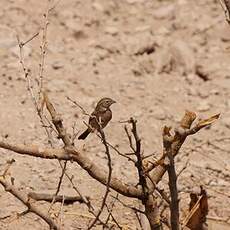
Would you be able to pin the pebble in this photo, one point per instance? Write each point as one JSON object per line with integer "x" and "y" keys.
{"x": 57, "y": 65}
{"x": 111, "y": 30}
{"x": 98, "y": 6}
{"x": 203, "y": 106}
{"x": 183, "y": 57}
{"x": 225, "y": 33}
{"x": 226, "y": 122}
{"x": 164, "y": 12}
{"x": 159, "y": 114}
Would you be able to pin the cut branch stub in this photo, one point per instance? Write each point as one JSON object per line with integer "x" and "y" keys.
{"x": 178, "y": 139}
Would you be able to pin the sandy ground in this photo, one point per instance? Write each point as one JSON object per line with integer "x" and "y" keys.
{"x": 94, "y": 51}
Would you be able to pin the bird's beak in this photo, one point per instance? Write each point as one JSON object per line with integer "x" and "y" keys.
{"x": 113, "y": 102}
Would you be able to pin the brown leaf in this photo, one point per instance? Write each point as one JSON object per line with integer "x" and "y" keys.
{"x": 166, "y": 131}
{"x": 209, "y": 121}
{"x": 198, "y": 208}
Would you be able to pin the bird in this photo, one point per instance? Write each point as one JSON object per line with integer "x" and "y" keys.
{"x": 100, "y": 117}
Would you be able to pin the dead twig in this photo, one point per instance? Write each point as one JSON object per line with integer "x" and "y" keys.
{"x": 174, "y": 203}
{"x": 226, "y": 8}
{"x": 59, "y": 184}
{"x": 84, "y": 199}
{"x": 139, "y": 163}
{"x": 109, "y": 176}
{"x": 30, "y": 89}
{"x": 59, "y": 198}
{"x": 111, "y": 214}
{"x": 128, "y": 206}
{"x": 79, "y": 106}
{"x": 71, "y": 154}
{"x": 26, "y": 201}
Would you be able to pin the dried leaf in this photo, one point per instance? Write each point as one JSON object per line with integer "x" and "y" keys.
{"x": 166, "y": 131}
{"x": 198, "y": 208}
{"x": 209, "y": 121}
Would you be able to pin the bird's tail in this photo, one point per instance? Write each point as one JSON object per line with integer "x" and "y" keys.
{"x": 84, "y": 135}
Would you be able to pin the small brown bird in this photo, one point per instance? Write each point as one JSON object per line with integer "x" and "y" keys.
{"x": 99, "y": 117}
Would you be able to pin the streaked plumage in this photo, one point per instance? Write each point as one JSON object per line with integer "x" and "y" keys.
{"x": 101, "y": 115}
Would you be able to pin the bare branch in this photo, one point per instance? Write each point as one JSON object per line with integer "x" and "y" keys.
{"x": 226, "y": 8}
{"x": 178, "y": 139}
{"x": 26, "y": 201}
{"x": 79, "y": 106}
{"x": 59, "y": 198}
{"x": 109, "y": 177}
{"x": 59, "y": 183}
{"x": 139, "y": 163}
{"x": 174, "y": 204}
{"x": 72, "y": 154}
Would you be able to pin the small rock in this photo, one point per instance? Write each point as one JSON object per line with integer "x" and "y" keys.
{"x": 225, "y": 33}
{"x": 79, "y": 34}
{"x": 228, "y": 103}
{"x": 201, "y": 72}
{"x": 222, "y": 183}
{"x": 203, "y": 106}
{"x": 203, "y": 93}
{"x": 213, "y": 183}
{"x": 164, "y": 12}
{"x": 5, "y": 213}
{"x": 98, "y": 6}
{"x": 57, "y": 65}
{"x": 215, "y": 92}
{"x": 134, "y": 1}
{"x": 111, "y": 30}
{"x": 142, "y": 28}
{"x": 182, "y": 57}
{"x": 226, "y": 122}
{"x": 159, "y": 114}
{"x": 192, "y": 91}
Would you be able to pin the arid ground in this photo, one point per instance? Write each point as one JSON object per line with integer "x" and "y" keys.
{"x": 97, "y": 48}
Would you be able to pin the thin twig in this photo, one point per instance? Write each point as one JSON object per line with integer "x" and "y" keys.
{"x": 58, "y": 198}
{"x": 59, "y": 184}
{"x": 30, "y": 88}
{"x": 79, "y": 106}
{"x": 111, "y": 214}
{"x": 226, "y": 8}
{"x": 139, "y": 163}
{"x": 109, "y": 176}
{"x": 128, "y": 206}
{"x": 43, "y": 48}
{"x": 84, "y": 199}
{"x": 174, "y": 204}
